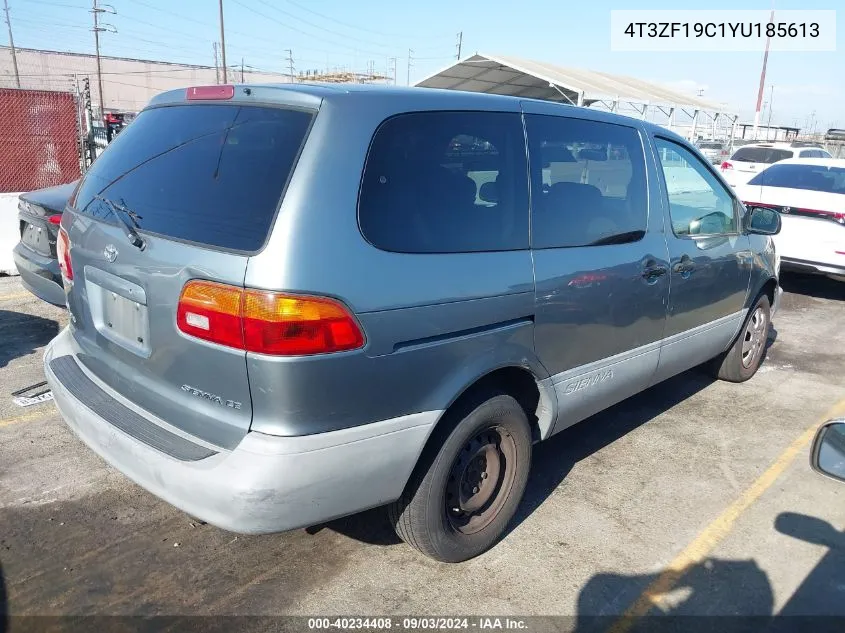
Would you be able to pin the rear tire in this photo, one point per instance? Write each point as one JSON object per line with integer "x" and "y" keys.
{"x": 743, "y": 359}
{"x": 469, "y": 481}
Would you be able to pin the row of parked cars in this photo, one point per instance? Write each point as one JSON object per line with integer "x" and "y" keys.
{"x": 293, "y": 303}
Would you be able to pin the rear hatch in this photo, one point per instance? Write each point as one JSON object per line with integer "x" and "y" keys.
{"x": 749, "y": 161}
{"x": 40, "y": 213}
{"x": 200, "y": 184}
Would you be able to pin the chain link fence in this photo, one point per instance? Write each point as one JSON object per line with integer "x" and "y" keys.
{"x": 40, "y": 139}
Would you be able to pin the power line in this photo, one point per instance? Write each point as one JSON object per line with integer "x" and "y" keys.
{"x": 321, "y": 28}
{"x": 58, "y": 4}
{"x": 346, "y": 24}
{"x": 306, "y": 33}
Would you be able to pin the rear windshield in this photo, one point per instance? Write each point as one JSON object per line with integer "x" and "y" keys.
{"x": 710, "y": 146}
{"x": 212, "y": 174}
{"x": 810, "y": 177}
{"x": 761, "y": 155}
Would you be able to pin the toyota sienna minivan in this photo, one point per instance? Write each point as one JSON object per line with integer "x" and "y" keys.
{"x": 292, "y": 303}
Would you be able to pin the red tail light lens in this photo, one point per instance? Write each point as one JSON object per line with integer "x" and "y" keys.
{"x": 212, "y": 312}
{"x": 297, "y": 325}
{"x": 63, "y": 254}
{"x": 266, "y": 322}
{"x": 55, "y": 219}
{"x": 726, "y": 165}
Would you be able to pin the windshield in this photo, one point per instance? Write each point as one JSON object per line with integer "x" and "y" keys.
{"x": 212, "y": 174}
{"x": 761, "y": 155}
{"x": 809, "y": 177}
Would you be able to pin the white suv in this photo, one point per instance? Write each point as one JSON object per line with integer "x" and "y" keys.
{"x": 749, "y": 160}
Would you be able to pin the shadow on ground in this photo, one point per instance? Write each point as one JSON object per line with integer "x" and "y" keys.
{"x": 22, "y": 334}
{"x": 816, "y": 286}
{"x": 723, "y": 595}
{"x": 4, "y": 605}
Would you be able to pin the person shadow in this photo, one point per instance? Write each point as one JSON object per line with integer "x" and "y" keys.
{"x": 695, "y": 598}
{"x": 723, "y": 595}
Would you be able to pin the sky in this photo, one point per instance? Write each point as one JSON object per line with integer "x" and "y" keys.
{"x": 809, "y": 88}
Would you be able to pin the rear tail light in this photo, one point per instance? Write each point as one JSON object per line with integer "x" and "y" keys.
{"x": 726, "y": 165}
{"x": 55, "y": 219}
{"x": 63, "y": 254}
{"x": 210, "y": 93}
{"x": 266, "y": 322}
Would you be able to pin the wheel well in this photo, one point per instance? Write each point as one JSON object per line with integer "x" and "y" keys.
{"x": 515, "y": 381}
{"x": 769, "y": 290}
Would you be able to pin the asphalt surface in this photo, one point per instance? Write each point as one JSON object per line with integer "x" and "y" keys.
{"x": 698, "y": 489}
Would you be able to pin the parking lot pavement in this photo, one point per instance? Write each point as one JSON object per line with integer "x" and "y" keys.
{"x": 693, "y": 497}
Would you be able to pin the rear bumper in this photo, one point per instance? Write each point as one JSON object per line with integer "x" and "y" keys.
{"x": 267, "y": 483}
{"x": 806, "y": 266}
{"x": 40, "y": 275}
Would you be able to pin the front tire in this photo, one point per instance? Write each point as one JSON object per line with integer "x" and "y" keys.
{"x": 469, "y": 481}
{"x": 743, "y": 359}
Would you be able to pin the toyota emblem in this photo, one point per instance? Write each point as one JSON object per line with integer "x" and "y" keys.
{"x": 110, "y": 252}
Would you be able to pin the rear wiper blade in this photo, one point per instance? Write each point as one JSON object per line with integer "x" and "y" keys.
{"x": 118, "y": 211}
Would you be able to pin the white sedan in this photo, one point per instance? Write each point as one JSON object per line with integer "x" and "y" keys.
{"x": 809, "y": 193}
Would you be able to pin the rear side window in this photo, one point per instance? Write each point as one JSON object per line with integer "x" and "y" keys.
{"x": 446, "y": 182}
{"x": 761, "y": 155}
{"x": 201, "y": 173}
{"x": 588, "y": 182}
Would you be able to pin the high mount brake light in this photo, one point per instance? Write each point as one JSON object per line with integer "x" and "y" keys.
{"x": 210, "y": 93}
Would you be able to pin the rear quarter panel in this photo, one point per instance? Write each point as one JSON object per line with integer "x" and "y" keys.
{"x": 433, "y": 323}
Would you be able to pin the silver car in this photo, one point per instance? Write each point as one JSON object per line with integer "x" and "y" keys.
{"x": 293, "y": 303}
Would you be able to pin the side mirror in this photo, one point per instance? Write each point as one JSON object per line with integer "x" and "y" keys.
{"x": 762, "y": 221}
{"x": 828, "y": 453}
{"x": 489, "y": 192}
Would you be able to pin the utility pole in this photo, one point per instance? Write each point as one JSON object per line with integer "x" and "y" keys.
{"x": 222, "y": 40}
{"x": 460, "y": 41}
{"x": 242, "y": 70}
{"x": 216, "y": 65}
{"x": 290, "y": 63}
{"x": 410, "y": 61}
{"x": 763, "y": 76}
{"x": 98, "y": 28}
{"x": 769, "y": 124}
{"x": 12, "y": 44}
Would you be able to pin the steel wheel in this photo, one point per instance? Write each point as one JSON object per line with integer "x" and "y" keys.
{"x": 754, "y": 337}
{"x": 480, "y": 480}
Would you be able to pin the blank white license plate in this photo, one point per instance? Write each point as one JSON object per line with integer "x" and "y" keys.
{"x": 121, "y": 320}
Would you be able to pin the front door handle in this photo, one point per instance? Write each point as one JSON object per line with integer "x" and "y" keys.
{"x": 652, "y": 273}
{"x": 685, "y": 267}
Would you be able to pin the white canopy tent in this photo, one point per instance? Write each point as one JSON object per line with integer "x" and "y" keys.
{"x": 498, "y": 74}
